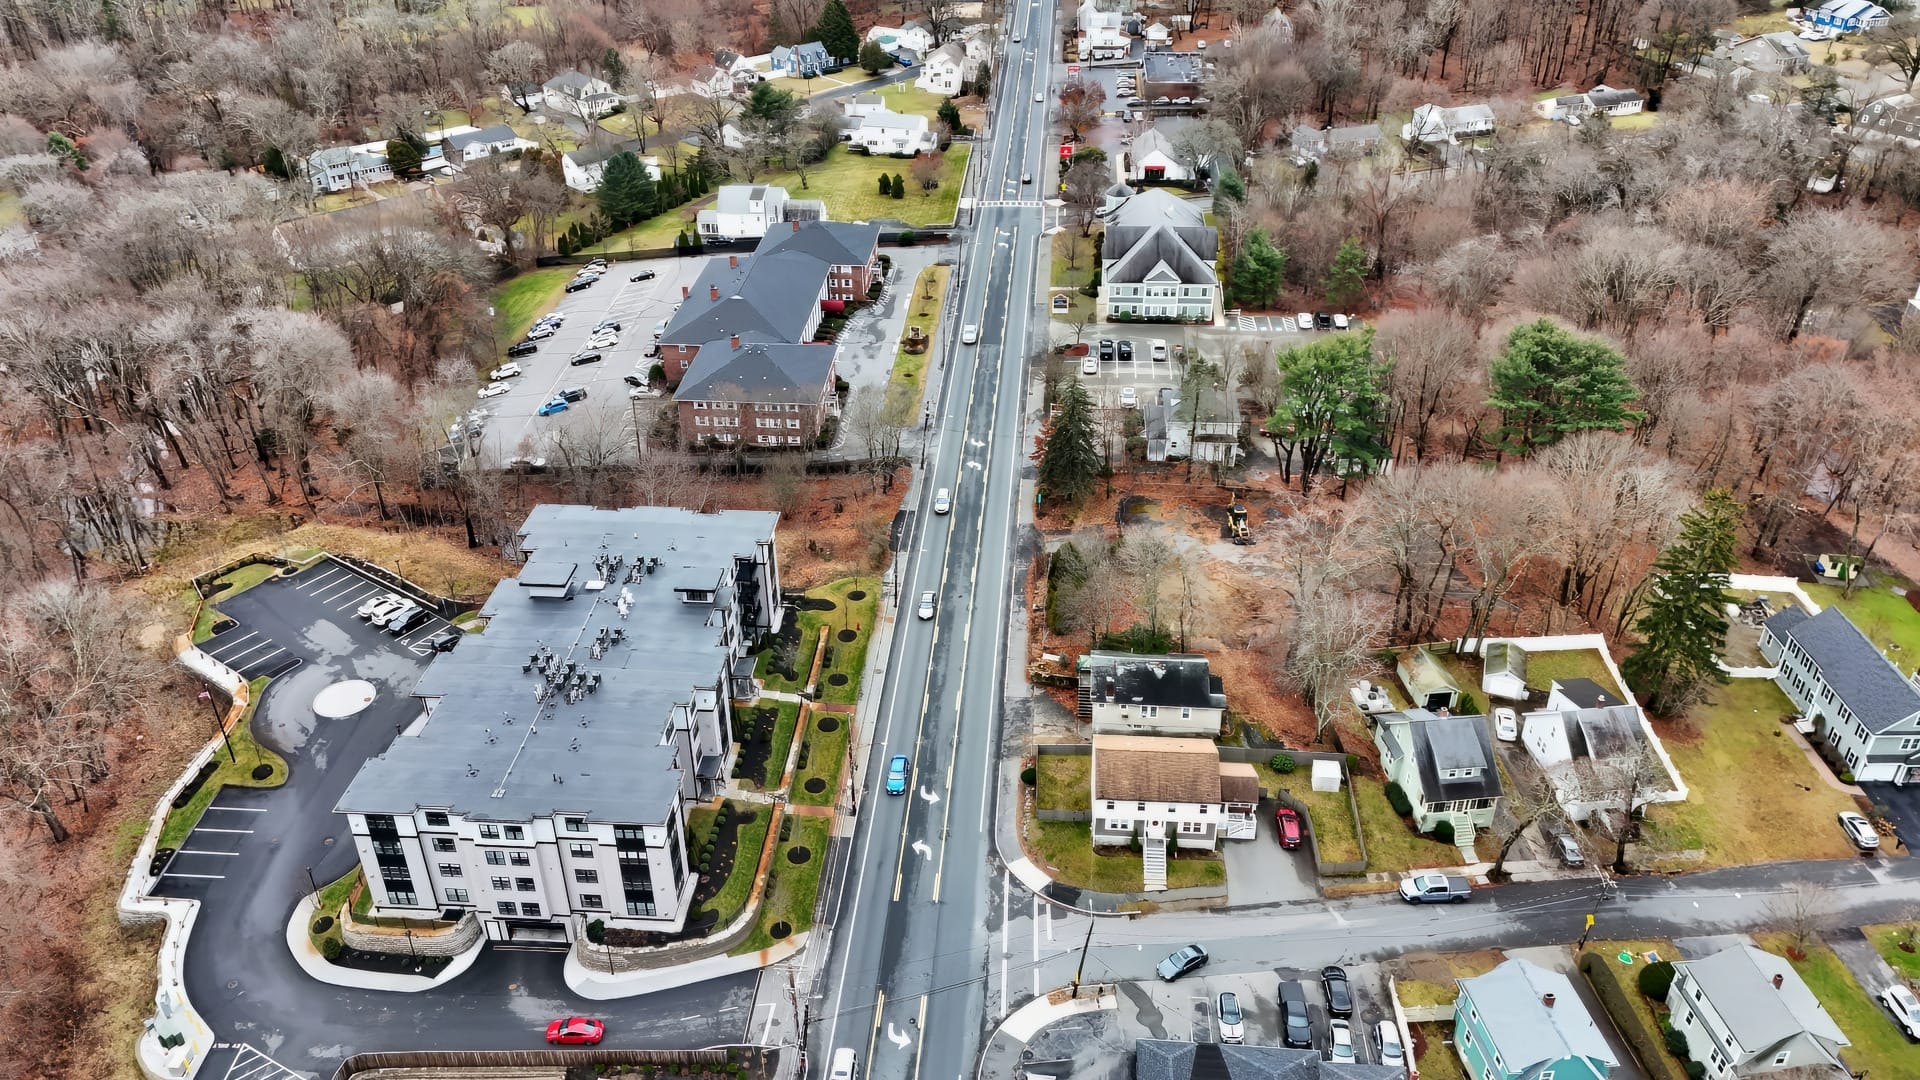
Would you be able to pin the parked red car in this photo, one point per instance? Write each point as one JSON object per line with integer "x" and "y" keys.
{"x": 1286, "y": 825}
{"x": 576, "y": 1031}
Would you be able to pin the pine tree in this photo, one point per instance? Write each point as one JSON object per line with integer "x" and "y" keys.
{"x": 835, "y": 31}
{"x": 899, "y": 187}
{"x": 1334, "y": 406}
{"x": 1344, "y": 277}
{"x": 1686, "y": 620}
{"x": 626, "y": 193}
{"x": 1549, "y": 383}
{"x": 1069, "y": 453}
{"x": 1258, "y": 271}
{"x": 886, "y": 185}
{"x": 949, "y": 114}
{"x": 874, "y": 59}
{"x": 403, "y": 158}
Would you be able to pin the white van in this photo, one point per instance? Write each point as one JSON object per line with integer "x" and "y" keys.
{"x": 842, "y": 1067}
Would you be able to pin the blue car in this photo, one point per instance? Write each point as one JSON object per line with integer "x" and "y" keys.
{"x": 897, "y": 775}
{"x": 553, "y": 405}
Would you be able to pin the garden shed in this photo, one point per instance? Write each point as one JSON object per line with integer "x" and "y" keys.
{"x": 1326, "y": 775}
{"x": 1428, "y": 684}
{"x": 1506, "y": 671}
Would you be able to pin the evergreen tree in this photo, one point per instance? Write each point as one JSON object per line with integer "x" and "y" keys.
{"x": 835, "y": 31}
{"x": 1685, "y": 620}
{"x": 1069, "y": 454}
{"x": 771, "y": 104}
{"x": 899, "y": 187}
{"x": 1333, "y": 409}
{"x": 949, "y": 114}
{"x": 874, "y": 59}
{"x": 1231, "y": 187}
{"x": 1349, "y": 269}
{"x": 275, "y": 163}
{"x": 1258, "y": 271}
{"x": 886, "y": 185}
{"x": 1549, "y": 383}
{"x": 403, "y": 158}
{"x": 613, "y": 69}
{"x": 626, "y": 193}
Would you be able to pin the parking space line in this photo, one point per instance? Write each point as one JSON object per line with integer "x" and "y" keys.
{"x": 201, "y": 877}
{"x": 240, "y": 809}
{"x": 309, "y": 584}
{"x": 264, "y": 644}
{"x": 218, "y": 650}
{"x": 332, "y": 592}
{"x": 209, "y": 828}
{"x": 253, "y": 1068}
{"x": 203, "y": 851}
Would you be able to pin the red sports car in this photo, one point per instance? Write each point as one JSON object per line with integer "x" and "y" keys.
{"x": 1286, "y": 825}
{"x": 576, "y": 1031}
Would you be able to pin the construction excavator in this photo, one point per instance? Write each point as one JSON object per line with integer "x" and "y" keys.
{"x": 1237, "y": 527}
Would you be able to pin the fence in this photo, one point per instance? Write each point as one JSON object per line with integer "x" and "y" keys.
{"x": 763, "y": 1059}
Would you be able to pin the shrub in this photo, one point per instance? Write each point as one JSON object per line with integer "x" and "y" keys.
{"x": 1029, "y": 776}
{"x": 1467, "y": 706}
{"x": 1282, "y": 764}
{"x": 1353, "y": 764}
{"x": 331, "y": 948}
{"x": 706, "y": 865}
{"x": 1654, "y": 979}
{"x": 1677, "y": 1042}
{"x": 1443, "y": 831}
{"x": 1846, "y": 778}
{"x": 1696, "y": 1071}
{"x": 1397, "y": 798}
{"x": 597, "y": 931}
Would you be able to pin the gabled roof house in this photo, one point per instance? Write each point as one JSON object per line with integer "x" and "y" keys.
{"x": 1157, "y": 261}
{"x": 1746, "y": 1012}
{"x": 1444, "y": 764}
{"x": 1521, "y": 1021}
{"x": 1864, "y": 708}
{"x": 1123, "y": 693}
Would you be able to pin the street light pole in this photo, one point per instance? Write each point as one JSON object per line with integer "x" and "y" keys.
{"x": 218, "y": 725}
{"x": 1082, "y": 964}
{"x": 411, "y": 951}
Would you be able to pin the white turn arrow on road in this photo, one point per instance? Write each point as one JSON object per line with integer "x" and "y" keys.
{"x": 920, "y": 847}
{"x": 897, "y": 1037}
{"x": 930, "y": 796}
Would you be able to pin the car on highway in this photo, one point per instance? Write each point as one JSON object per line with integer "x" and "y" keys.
{"x": 552, "y": 405}
{"x": 1339, "y": 992}
{"x": 403, "y": 623}
{"x": 495, "y": 389}
{"x": 576, "y": 1031}
{"x": 588, "y": 357}
{"x": 842, "y": 1067}
{"x": 1016, "y": 39}
{"x": 1090, "y": 366}
{"x": 1296, "y": 1025}
{"x": 1128, "y": 398}
{"x": 926, "y": 605}
{"x": 505, "y": 371}
{"x": 1286, "y": 827}
{"x": 897, "y": 775}
{"x": 1026, "y": 178}
{"x": 644, "y": 275}
{"x": 1233, "y": 1026}
{"x": 1859, "y": 830}
{"x": 1339, "y": 1041}
{"x": 522, "y": 348}
{"x": 380, "y": 605}
{"x": 1386, "y": 1044}
{"x": 1038, "y": 97}
{"x": 969, "y": 334}
{"x": 942, "y": 501}
{"x": 1905, "y": 1008}
{"x": 1506, "y": 724}
{"x": 1182, "y": 962}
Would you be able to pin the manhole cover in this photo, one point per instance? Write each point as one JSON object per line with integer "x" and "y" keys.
{"x": 816, "y": 785}
{"x": 798, "y": 855}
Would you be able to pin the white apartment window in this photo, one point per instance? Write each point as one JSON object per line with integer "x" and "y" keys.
{"x": 580, "y": 851}
{"x": 524, "y": 884}
{"x": 501, "y": 884}
{"x": 515, "y": 832}
{"x": 508, "y": 907}
{"x": 699, "y": 405}
{"x": 448, "y": 869}
{"x": 1193, "y": 827}
{"x": 489, "y": 832}
{"x": 793, "y": 423}
{"x": 443, "y": 843}
{"x": 496, "y": 858}
{"x": 1109, "y": 804}
{"x": 457, "y": 896}
{"x": 699, "y": 421}
{"x": 793, "y": 440}
{"x": 1119, "y": 825}
{"x": 767, "y": 440}
{"x": 1910, "y": 744}
{"x": 529, "y": 909}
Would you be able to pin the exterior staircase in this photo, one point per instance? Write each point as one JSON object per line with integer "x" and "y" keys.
{"x": 1463, "y": 833}
{"x": 1083, "y": 700}
{"x": 1153, "y": 850}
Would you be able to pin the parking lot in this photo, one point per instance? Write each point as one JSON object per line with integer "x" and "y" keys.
{"x": 1188, "y": 1009}
{"x": 515, "y": 428}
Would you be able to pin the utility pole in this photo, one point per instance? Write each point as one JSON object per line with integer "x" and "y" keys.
{"x": 218, "y": 725}
{"x": 1080, "y": 967}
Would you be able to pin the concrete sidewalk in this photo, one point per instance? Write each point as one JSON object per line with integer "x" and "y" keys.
{"x": 600, "y": 986}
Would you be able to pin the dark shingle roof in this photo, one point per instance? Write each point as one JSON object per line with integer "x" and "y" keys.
{"x": 1866, "y": 682}
{"x": 763, "y": 298}
{"x": 1175, "y": 679}
{"x": 1451, "y": 742}
{"x": 1587, "y": 694}
{"x": 837, "y": 243}
{"x": 774, "y": 373}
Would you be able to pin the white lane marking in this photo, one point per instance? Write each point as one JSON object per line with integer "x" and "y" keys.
{"x": 315, "y": 582}
{"x": 209, "y": 828}
{"x": 920, "y": 848}
{"x": 202, "y": 877}
{"x": 262, "y": 661}
{"x": 203, "y": 851}
{"x": 327, "y": 594}
{"x": 241, "y": 809}
{"x": 897, "y": 1037}
{"x": 930, "y": 796}
{"x": 220, "y": 649}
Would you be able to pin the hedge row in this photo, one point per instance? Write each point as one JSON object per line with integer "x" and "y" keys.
{"x": 1647, "y": 1045}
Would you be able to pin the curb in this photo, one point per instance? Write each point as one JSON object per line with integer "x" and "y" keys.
{"x": 319, "y": 970}
{"x": 596, "y": 987}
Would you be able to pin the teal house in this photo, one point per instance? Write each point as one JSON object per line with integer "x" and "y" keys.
{"x": 1523, "y": 1022}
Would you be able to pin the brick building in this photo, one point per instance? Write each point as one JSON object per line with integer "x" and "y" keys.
{"x": 763, "y": 395}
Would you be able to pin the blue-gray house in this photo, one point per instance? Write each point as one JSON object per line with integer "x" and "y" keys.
{"x": 1523, "y": 1022}
{"x": 1849, "y": 16}
{"x": 801, "y": 61}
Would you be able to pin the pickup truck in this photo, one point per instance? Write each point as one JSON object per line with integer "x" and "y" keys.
{"x": 1435, "y": 889}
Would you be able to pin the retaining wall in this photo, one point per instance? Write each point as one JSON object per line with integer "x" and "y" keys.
{"x": 498, "y": 1059}
{"x": 445, "y": 941}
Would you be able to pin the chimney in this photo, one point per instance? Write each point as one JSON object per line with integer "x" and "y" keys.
{"x": 735, "y": 342}
{"x": 684, "y": 290}
{"x": 713, "y": 292}
{"x": 1547, "y": 1000}
{"x": 796, "y": 226}
{"x": 1777, "y": 980}
{"x": 733, "y": 262}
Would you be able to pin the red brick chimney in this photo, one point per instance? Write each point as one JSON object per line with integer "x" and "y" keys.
{"x": 796, "y": 226}
{"x": 713, "y": 292}
{"x": 1777, "y": 980}
{"x": 1547, "y": 1000}
{"x": 733, "y": 262}
{"x": 735, "y": 342}
{"x": 684, "y": 290}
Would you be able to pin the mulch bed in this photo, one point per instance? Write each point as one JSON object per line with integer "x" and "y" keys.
{"x": 393, "y": 963}
{"x": 755, "y": 736}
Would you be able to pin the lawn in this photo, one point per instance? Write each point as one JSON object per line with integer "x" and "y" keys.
{"x": 1887, "y": 620}
{"x": 910, "y": 100}
{"x": 1392, "y": 845}
{"x": 1629, "y": 975}
{"x": 849, "y": 183}
{"x": 246, "y": 754}
{"x": 1879, "y": 1049}
{"x": 332, "y": 896}
{"x": 1087, "y": 256}
{"x": 732, "y": 897}
{"x": 1065, "y": 782}
{"x": 1429, "y": 978}
{"x": 802, "y": 664}
{"x": 658, "y": 231}
{"x": 855, "y": 617}
{"x": 520, "y": 300}
{"x": 791, "y": 887}
{"x": 782, "y": 743}
{"x": 1066, "y": 847}
{"x": 1563, "y": 664}
{"x": 1434, "y": 1058}
{"x": 1332, "y": 821}
{"x": 820, "y": 759}
{"x": 905, "y": 387}
{"x": 1887, "y": 939}
{"x": 1720, "y": 749}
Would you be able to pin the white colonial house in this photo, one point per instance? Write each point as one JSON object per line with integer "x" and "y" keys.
{"x": 1157, "y": 261}
{"x": 1156, "y": 789}
{"x": 342, "y": 167}
{"x": 1441, "y": 124}
{"x": 1601, "y": 100}
{"x": 912, "y": 35}
{"x": 945, "y": 69}
{"x": 749, "y": 212}
{"x": 1128, "y": 694}
{"x": 898, "y": 134}
{"x": 582, "y": 169}
{"x": 578, "y": 94}
{"x": 1859, "y": 701}
{"x": 1746, "y": 1012}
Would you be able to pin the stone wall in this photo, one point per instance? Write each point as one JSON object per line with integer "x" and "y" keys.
{"x": 444, "y": 941}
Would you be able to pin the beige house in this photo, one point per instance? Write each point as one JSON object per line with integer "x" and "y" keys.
{"x": 1153, "y": 789}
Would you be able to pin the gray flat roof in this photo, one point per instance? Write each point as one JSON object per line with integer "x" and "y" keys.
{"x": 494, "y": 750}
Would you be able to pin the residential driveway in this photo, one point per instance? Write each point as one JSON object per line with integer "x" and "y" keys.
{"x": 1902, "y": 805}
{"x": 1260, "y": 871}
{"x": 1869, "y": 968}
{"x": 1556, "y": 958}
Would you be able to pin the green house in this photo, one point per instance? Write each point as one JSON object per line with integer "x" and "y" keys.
{"x": 1445, "y": 765}
{"x": 1521, "y": 1021}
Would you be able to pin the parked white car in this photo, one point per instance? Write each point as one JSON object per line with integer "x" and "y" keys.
{"x": 1506, "y": 724}
{"x": 505, "y": 371}
{"x": 494, "y": 389}
{"x": 1905, "y": 1008}
{"x": 1859, "y": 830}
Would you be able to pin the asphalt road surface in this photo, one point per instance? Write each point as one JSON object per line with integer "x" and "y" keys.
{"x": 907, "y": 983}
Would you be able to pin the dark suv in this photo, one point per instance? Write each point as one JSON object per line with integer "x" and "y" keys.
{"x": 1126, "y": 349}
{"x": 1297, "y": 1028}
{"x": 524, "y": 348}
{"x": 1106, "y": 348}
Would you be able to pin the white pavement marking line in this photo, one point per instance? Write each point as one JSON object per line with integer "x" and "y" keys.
{"x": 203, "y": 851}
{"x": 242, "y": 809}
{"x": 254, "y": 1069}
{"x": 897, "y": 1037}
{"x": 920, "y": 848}
{"x": 308, "y": 584}
{"x": 261, "y": 661}
{"x": 219, "y": 650}
{"x": 204, "y": 877}
{"x": 209, "y": 828}
{"x": 766, "y": 1028}
{"x": 327, "y": 594}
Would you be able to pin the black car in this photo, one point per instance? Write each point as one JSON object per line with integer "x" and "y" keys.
{"x": 574, "y": 393}
{"x": 444, "y": 642}
{"x": 1126, "y": 349}
{"x": 408, "y": 621}
{"x": 524, "y": 348}
{"x": 1339, "y": 993}
{"x": 586, "y": 358}
{"x": 576, "y": 285}
{"x": 1323, "y": 320}
{"x": 1106, "y": 348}
{"x": 644, "y": 275}
{"x": 1298, "y": 1031}
{"x": 1180, "y": 963}
{"x": 607, "y": 324}
{"x": 634, "y": 379}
